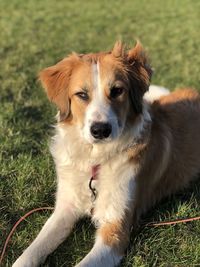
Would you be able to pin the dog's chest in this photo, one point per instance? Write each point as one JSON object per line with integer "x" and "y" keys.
{"x": 91, "y": 187}
{"x": 104, "y": 187}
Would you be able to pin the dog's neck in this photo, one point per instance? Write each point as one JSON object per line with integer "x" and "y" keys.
{"x": 85, "y": 155}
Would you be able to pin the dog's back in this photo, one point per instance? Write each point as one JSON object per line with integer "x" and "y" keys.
{"x": 173, "y": 156}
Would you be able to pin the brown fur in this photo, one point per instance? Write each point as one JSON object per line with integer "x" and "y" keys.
{"x": 56, "y": 80}
{"x": 116, "y": 235}
{"x": 131, "y": 68}
{"x": 171, "y": 158}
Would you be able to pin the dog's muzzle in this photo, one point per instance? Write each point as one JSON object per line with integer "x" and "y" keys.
{"x": 100, "y": 130}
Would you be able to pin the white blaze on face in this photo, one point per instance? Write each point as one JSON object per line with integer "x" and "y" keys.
{"x": 99, "y": 109}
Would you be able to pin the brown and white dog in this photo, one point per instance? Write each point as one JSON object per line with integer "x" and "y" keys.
{"x": 139, "y": 147}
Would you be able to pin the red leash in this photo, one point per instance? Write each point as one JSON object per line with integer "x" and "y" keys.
{"x": 15, "y": 226}
{"x": 174, "y": 222}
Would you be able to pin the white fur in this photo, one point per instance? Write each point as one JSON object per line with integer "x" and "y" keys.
{"x": 99, "y": 111}
{"x": 101, "y": 255}
{"x": 155, "y": 92}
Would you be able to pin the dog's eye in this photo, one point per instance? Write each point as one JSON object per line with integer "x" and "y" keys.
{"x": 116, "y": 91}
{"x": 82, "y": 95}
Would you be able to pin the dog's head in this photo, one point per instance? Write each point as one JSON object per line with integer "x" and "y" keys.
{"x": 100, "y": 93}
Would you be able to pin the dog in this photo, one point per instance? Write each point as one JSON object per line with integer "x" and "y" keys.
{"x": 118, "y": 149}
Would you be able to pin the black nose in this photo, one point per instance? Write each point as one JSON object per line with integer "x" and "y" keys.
{"x": 100, "y": 130}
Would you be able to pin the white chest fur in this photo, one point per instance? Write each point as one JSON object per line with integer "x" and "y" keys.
{"x": 116, "y": 177}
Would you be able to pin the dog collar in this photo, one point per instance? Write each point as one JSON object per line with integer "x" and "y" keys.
{"x": 94, "y": 171}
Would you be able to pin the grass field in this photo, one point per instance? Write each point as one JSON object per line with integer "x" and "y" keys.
{"x": 36, "y": 34}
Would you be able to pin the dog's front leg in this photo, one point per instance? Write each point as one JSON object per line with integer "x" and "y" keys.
{"x": 111, "y": 241}
{"x": 55, "y": 230}
{"x": 114, "y": 212}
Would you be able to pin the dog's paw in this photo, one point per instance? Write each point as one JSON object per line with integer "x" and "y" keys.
{"x": 24, "y": 262}
{"x": 80, "y": 265}
{"x": 85, "y": 264}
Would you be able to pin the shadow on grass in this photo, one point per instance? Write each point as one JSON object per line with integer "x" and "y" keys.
{"x": 7, "y": 96}
{"x": 171, "y": 204}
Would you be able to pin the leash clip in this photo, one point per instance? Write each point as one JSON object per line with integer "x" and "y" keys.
{"x": 93, "y": 190}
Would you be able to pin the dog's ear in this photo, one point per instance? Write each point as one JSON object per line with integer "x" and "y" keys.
{"x": 119, "y": 50}
{"x": 140, "y": 73}
{"x": 55, "y": 80}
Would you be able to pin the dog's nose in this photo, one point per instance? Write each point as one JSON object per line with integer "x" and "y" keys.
{"x": 100, "y": 130}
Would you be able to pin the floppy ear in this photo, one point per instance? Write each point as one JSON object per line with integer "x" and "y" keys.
{"x": 140, "y": 73}
{"x": 55, "y": 81}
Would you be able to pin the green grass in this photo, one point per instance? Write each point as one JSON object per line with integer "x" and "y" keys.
{"x": 36, "y": 34}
